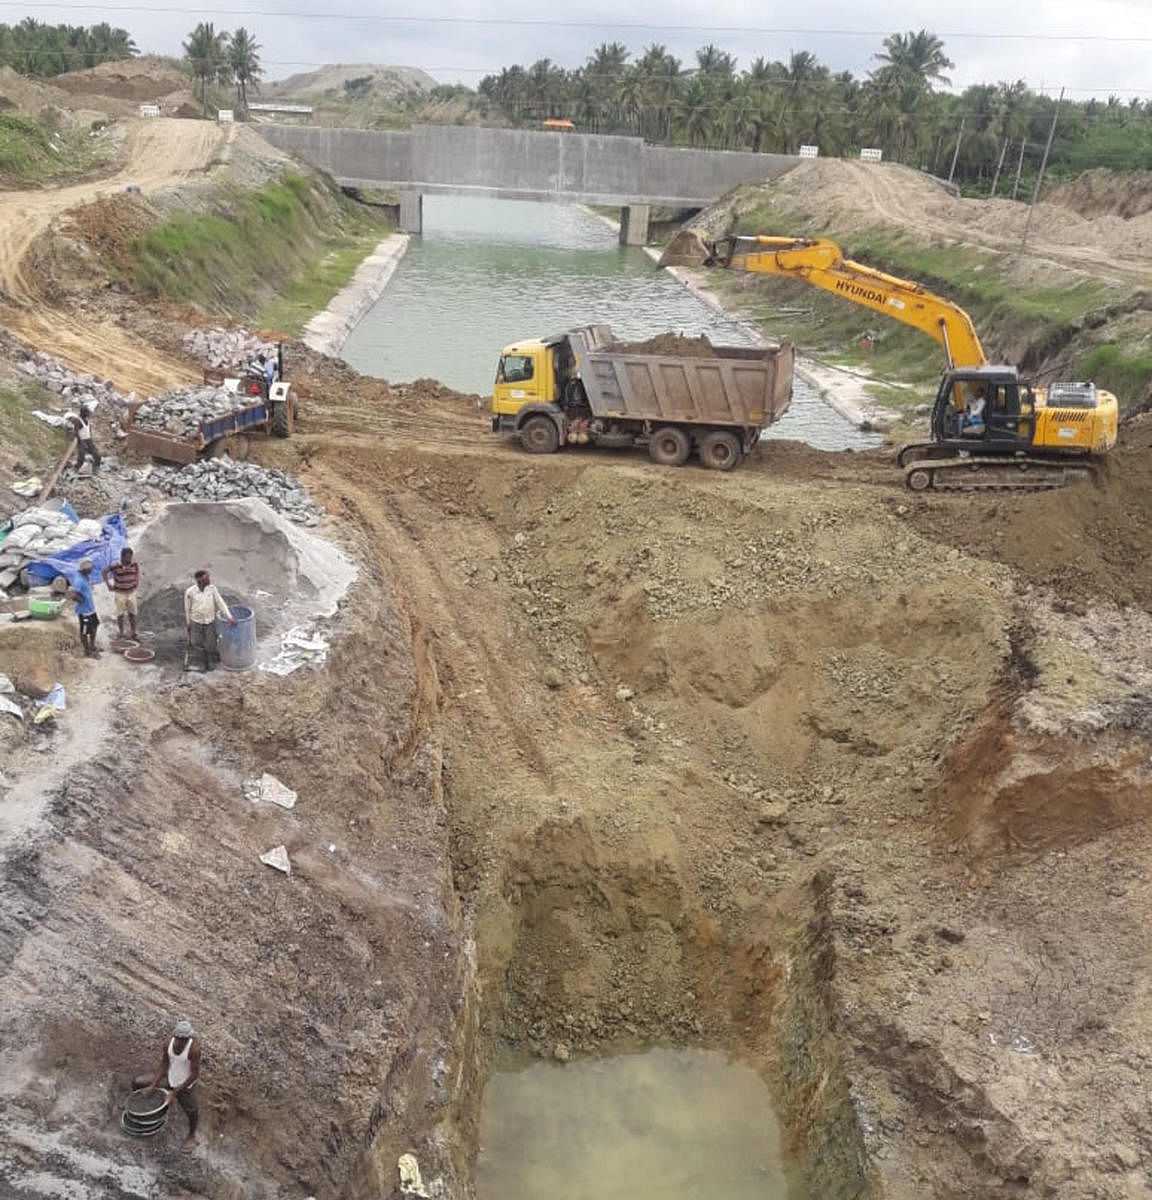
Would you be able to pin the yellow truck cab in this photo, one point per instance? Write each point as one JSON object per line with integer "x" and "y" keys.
{"x": 524, "y": 375}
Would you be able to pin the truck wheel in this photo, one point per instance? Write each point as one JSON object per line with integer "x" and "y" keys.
{"x": 539, "y": 435}
{"x": 720, "y": 450}
{"x": 669, "y": 446}
{"x": 280, "y": 424}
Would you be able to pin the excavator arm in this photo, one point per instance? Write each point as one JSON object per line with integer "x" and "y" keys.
{"x": 822, "y": 264}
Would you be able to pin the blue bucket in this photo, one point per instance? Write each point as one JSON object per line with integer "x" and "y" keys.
{"x": 237, "y": 643}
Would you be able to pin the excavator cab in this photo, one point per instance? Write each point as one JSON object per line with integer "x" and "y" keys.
{"x": 984, "y": 409}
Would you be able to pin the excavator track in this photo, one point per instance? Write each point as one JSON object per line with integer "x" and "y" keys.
{"x": 991, "y": 474}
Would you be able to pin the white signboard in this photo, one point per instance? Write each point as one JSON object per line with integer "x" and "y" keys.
{"x": 809, "y": 151}
{"x": 224, "y": 116}
{"x": 149, "y": 110}
{"x": 871, "y": 155}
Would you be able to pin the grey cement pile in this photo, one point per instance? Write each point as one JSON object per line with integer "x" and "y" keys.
{"x": 227, "y": 348}
{"x": 225, "y": 479}
{"x": 285, "y": 574}
{"x": 72, "y": 385}
{"x": 183, "y": 410}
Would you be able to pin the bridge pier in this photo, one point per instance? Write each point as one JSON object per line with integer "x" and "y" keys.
{"x": 411, "y": 211}
{"x": 634, "y": 224}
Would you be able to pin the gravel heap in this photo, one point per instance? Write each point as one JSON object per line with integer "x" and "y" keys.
{"x": 225, "y": 347}
{"x": 72, "y": 385}
{"x": 183, "y": 410}
{"x": 225, "y": 479}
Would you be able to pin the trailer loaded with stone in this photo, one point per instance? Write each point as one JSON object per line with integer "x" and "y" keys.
{"x": 188, "y": 423}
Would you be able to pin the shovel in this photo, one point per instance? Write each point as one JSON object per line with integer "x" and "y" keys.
{"x": 187, "y": 649}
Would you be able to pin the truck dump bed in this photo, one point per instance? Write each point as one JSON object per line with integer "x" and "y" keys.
{"x": 171, "y": 447}
{"x": 739, "y": 386}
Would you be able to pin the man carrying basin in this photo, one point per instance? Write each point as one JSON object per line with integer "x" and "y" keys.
{"x": 180, "y": 1069}
{"x": 202, "y": 604}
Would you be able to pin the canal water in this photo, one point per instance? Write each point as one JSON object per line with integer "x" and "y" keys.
{"x": 661, "y": 1125}
{"x": 488, "y": 272}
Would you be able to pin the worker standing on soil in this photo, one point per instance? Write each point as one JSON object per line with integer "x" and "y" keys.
{"x": 85, "y": 446}
{"x": 122, "y": 579}
{"x": 80, "y": 590}
{"x": 202, "y": 604}
{"x": 180, "y": 1069}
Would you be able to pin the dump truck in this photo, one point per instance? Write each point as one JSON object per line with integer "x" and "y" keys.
{"x": 584, "y": 388}
{"x": 258, "y": 407}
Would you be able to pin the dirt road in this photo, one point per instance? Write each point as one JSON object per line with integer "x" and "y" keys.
{"x": 156, "y": 154}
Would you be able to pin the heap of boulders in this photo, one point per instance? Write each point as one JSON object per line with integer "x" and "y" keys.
{"x": 183, "y": 410}
{"x": 227, "y": 348}
{"x": 225, "y": 479}
{"x": 79, "y": 386}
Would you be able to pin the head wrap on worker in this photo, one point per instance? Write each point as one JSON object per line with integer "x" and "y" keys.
{"x": 85, "y": 564}
{"x": 183, "y": 1029}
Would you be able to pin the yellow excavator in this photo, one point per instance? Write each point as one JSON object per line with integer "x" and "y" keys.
{"x": 990, "y": 429}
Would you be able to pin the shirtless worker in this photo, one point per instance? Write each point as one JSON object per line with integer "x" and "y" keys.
{"x": 202, "y": 604}
{"x": 122, "y": 579}
{"x": 180, "y": 1069}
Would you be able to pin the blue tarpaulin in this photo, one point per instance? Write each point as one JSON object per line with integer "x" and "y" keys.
{"x": 103, "y": 551}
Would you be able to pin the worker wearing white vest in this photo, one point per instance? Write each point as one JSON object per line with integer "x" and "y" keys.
{"x": 85, "y": 446}
{"x": 180, "y": 1069}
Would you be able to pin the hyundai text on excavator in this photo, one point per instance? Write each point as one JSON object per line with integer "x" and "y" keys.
{"x": 989, "y": 428}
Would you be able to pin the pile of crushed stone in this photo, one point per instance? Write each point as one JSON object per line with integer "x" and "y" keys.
{"x": 227, "y": 348}
{"x": 226, "y": 479}
{"x": 183, "y": 410}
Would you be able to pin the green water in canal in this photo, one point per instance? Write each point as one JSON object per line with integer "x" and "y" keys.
{"x": 661, "y": 1125}
{"x": 487, "y": 272}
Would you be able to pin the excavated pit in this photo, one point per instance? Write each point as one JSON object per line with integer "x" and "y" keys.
{"x": 605, "y": 988}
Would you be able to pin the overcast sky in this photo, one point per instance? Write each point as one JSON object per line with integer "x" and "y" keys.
{"x": 1052, "y": 47}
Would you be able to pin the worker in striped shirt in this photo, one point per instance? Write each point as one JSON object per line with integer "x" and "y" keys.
{"x": 122, "y": 579}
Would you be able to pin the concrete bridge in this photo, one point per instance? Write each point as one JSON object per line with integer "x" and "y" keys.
{"x": 575, "y": 168}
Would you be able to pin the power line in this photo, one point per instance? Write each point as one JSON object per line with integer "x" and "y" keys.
{"x": 395, "y": 19}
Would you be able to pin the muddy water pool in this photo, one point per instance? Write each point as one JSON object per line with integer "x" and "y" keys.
{"x": 659, "y": 1125}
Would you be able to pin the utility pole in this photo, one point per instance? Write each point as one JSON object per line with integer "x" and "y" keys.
{"x": 1040, "y": 177}
{"x": 1019, "y": 167}
{"x": 956, "y": 152}
{"x": 999, "y": 167}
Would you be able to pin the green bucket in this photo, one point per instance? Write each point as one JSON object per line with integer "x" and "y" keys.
{"x": 45, "y": 610}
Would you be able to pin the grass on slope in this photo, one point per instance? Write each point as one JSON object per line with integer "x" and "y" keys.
{"x": 312, "y": 291}
{"x": 35, "y": 152}
{"x": 22, "y": 435}
{"x": 256, "y": 245}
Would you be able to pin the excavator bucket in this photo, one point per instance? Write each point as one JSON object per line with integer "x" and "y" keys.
{"x": 687, "y": 249}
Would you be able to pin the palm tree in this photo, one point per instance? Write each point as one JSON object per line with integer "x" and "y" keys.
{"x": 713, "y": 61}
{"x": 205, "y": 53}
{"x": 244, "y": 64}
{"x": 916, "y": 58}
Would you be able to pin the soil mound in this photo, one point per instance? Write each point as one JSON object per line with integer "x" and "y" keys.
{"x": 384, "y": 81}
{"x": 1102, "y": 191}
{"x": 671, "y": 345}
{"x": 1083, "y": 541}
{"x": 139, "y": 79}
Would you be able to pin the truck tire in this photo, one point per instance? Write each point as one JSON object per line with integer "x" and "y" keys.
{"x": 280, "y": 425}
{"x": 669, "y": 446}
{"x": 720, "y": 450}
{"x": 539, "y": 435}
